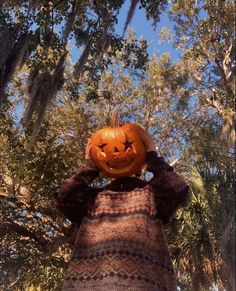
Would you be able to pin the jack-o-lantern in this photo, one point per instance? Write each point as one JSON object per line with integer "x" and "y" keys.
{"x": 118, "y": 151}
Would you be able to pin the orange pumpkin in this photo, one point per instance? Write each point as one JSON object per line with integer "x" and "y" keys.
{"x": 118, "y": 151}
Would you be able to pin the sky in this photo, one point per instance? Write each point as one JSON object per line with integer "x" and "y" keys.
{"x": 144, "y": 28}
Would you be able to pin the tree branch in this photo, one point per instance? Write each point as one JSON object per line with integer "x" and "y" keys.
{"x": 226, "y": 61}
{"x": 15, "y": 227}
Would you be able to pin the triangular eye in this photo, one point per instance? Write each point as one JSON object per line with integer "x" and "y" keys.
{"x": 128, "y": 145}
{"x": 116, "y": 150}
{"x": 101, "y": 146}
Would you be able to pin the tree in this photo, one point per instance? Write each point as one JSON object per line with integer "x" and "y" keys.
{"x": 205, "y": 32}
{"x": 203, "y": 236}
{"x": 37, "y": 33}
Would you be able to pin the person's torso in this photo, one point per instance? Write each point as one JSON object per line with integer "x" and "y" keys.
{"x": 121, "y": 245}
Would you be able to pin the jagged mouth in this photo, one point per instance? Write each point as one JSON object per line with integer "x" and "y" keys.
{"x": 120, "y": 164}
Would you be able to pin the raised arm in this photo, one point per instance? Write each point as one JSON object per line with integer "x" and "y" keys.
{"x": 170, "y": 189}
{"x": 75, "y": 195}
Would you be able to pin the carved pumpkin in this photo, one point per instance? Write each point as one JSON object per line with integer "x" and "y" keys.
{"x": 118, "y": 151}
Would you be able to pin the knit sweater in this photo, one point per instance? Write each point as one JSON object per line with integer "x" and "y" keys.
{"x": 121, "y": 242}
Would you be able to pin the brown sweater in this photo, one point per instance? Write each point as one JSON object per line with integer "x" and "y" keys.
{"x": 121, "y": 243}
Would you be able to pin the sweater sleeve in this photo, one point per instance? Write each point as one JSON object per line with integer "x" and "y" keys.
{"x": 75, "y": 195}
{"x": 170, "y": 189}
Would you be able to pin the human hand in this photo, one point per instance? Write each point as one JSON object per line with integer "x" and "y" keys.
{"x": 88, "y": 150}
{"x": 148, "y": 141}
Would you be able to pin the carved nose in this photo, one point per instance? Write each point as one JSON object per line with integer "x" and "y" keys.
{"x": 116, "y": 150}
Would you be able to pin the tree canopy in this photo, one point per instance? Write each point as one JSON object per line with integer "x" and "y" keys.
{"x": 187, "y": 104}
{"x": 36, "y": 34}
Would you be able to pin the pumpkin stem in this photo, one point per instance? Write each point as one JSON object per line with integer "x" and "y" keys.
{"x": 115, "y": 118}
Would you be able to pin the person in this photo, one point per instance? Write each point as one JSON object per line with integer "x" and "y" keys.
{"x": 121, "y": 243}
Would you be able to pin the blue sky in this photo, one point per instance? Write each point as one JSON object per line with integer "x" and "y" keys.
{"x": 144, "y": 28}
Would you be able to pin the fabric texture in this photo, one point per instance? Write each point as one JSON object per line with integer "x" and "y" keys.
{"x": 121, "y": 242}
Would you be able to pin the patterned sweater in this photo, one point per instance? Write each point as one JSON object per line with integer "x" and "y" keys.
{"x": 121, "y": 243}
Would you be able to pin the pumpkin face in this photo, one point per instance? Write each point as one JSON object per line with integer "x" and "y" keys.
{"x": 118, "y": 151}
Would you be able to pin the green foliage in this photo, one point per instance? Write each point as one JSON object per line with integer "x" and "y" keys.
{"x": 38, "y": 34}
{"x": 205, "y": 32}
{"x": 48, "y": 26}
{"x": 206, "y": 229}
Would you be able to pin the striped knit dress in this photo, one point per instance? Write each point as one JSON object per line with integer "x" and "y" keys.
{"x": 121, "y": 243}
